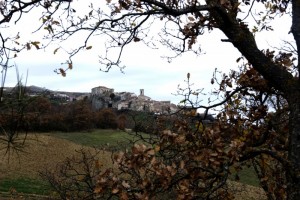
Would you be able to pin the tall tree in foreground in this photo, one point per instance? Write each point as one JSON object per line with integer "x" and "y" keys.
{"x": 181, "y": 23}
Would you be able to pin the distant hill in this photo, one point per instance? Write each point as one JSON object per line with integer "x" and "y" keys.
{"x": 42, "y": 90}
{"x": 32, "y": 88}
{"x": 36, "y": 89}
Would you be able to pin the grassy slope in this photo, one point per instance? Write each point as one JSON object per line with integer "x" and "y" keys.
{"x": 21, "y": 172}
{"x": 95, "y": 138}
{"x": 247, "y": 176}
{"x": 113, "y": 137}
{"x": 24, "y": 185}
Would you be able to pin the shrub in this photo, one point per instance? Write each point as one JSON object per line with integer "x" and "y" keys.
{"x": 106, "y": 118}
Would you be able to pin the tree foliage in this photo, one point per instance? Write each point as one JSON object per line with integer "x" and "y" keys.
{"x": 76, "y": 177}
{"x": 13, "y": 118}
{"x": 79, "y": 116}
{"x": 106, "y": 118}
{"x": 260, "y": 107}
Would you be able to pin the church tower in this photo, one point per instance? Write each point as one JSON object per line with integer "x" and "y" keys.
{"x": 142, "y": 92}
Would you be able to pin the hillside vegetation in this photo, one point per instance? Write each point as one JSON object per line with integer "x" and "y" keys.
{"x": 47, "y": 150}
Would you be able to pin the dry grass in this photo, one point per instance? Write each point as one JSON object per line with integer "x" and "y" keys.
{"x": 41, "y": 151}
{"x": 47, "y": 151}
{"x": 246, "y": 192}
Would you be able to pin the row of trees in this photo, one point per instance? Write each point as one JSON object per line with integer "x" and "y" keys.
{"x": 40, "y": 114}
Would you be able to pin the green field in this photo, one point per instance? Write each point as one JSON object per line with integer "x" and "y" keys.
{"x": 24, "y": 185}
{"x": 247, "y": 176}
{"x": 99, "y": 138}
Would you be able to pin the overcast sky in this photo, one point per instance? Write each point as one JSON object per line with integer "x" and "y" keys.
{"x": 145, "y": 67}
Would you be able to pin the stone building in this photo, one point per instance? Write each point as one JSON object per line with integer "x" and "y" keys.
{"x": 101, "y": 90}
{"x": 103, "y": 97}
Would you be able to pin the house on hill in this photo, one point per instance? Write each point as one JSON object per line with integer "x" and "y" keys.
{"x": 103, "y": 97}
{"x": 102, "y": 90}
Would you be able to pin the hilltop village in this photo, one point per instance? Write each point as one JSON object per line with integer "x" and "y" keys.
{"x": 68, "y": 111}
{"x": 103, "y": 97}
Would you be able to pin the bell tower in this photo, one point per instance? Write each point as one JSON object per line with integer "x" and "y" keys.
{"x": 142, "y": 92}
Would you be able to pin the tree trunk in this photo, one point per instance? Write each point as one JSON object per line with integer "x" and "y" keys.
{"x": 296, "y": 26}
{"x": 277, "y": 76}
{"x": 293, "y": 186}
{"x": 293, "y": 176}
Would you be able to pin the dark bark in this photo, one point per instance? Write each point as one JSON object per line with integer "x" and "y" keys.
{"x": 240, "y": 36}
{"x": 296, "y": 25}
{"x": 293, "y": 187}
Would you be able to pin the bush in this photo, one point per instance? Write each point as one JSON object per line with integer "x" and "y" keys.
{"x": 106, "y": 118}
{"x": 76, "y": 177}
{"x": 122, "y": 119}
